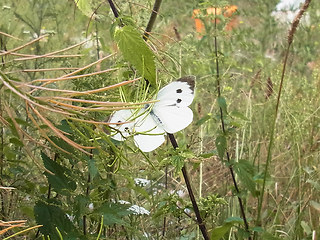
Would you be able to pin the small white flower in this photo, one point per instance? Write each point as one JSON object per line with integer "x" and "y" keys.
{"x": 142, "y": 182}
{"x": 91, "y": 206}
{"x": 138, "y": 210}
{"x": 123, "y": 202}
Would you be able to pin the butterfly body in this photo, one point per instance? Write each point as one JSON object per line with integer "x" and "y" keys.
{"x": 170, "y": 114}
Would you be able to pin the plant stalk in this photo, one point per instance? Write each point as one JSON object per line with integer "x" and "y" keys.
{"x": 291, "y": 33}
{"x": 152, "y": 19}
{"x": 200, "y": 222}
{"x": 241, "y": 205}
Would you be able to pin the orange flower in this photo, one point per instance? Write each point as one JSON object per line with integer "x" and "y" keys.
{"x": 227, "y": 12}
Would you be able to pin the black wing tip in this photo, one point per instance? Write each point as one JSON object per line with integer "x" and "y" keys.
{"x": 191, "y": 80}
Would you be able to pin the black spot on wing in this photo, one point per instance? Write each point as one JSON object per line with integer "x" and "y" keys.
{"x": 179, "y": 90}
{"x": 179, "y": 100}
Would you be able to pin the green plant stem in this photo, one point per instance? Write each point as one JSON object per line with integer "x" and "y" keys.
{"x": 241, "y": 205}
{"x": 200, "y": 222}
{"x": 269, "y": 155}
{"x": 152, "y": 19}
{"x": 113, "y": 8}
{"x": 291, "y": 33}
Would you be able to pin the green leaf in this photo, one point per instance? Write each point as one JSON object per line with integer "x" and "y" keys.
{"x": 221, "y": 144}
{"x": 219, "y": 232}
{"x": 61, "y": 181}
{"x": 204, "y": 119}
{"x": 50, "y": 215}
{"x": 208, "y": 154}
{"x": 306, "y": 227}
{"x": 92, "y": 168}
{"x": 16, "y": 142}
{"x": 85, "y": 6}
{"x": 234, "y": 220}
{"x": 245, "y": 172}
{"x": 80, "y": 206}
{"x": 269, "y": 236}
{"x": 315, "y": 205}
{"x": 136, "y": 51}
{"x": 239, "y": 115}
{"x": 113, "y": 213}
{"x": 222, "y": 104}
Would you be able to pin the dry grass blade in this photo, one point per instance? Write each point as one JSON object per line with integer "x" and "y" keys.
{"x": 52, "y": 53}
{"x": 10, "y": 36}
{"x": 43, "y": 133}
{"x": 11, "y": 227}
{"x": 88, "y": 66}
{"x": 23, "y": 46}
{"x": 31, "y": 101}
{"x": 51, "y": 80}
{"x": 105, "y": 88}
{"x": 7, "y": 188}
{"x": 59, "y": 132}
{"x": 23, "y": 231}
{"x": 20, "y": 133}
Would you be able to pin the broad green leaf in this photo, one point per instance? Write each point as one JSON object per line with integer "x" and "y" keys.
{"x": 61, "y": 181}
{"x": 222, "y": 104}
{"x": 51, "y": 216}
{"x": 113, "y": 213}
{"x": 219, "y": 232}
{"x": 245, "y": 172}
{"x": 221, "y": 144}
{"x": 204, "y": 119}
{"x": 136, "y": 51}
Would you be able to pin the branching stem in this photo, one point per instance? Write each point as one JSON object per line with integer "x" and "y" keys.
{"x": 246, "y": 225}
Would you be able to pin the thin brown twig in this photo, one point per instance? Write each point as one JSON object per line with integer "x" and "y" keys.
{"x": 23, "y": 46}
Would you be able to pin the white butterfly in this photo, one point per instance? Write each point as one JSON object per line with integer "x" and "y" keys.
{"x": 149, "y": 125}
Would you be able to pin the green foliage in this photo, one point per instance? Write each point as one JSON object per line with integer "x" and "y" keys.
{"x": 218, "y": 232}
{"x": 221, "y": 144}
{"x": 60, "y": 177}
{"x": 52, "y": 217}
{"x": 113, "y": 213}
{"x": 245, "y": 172}
{"x": 136, "y": 51}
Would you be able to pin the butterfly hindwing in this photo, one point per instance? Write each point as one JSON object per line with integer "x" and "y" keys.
{"x": 149, "y": 134}
{"x": 173, "y": 119}
{"x": 125, "y": 130}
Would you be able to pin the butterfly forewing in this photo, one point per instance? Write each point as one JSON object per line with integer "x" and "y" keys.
{"x": 179, "y": 93}
{"x": 172, "y": 111}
